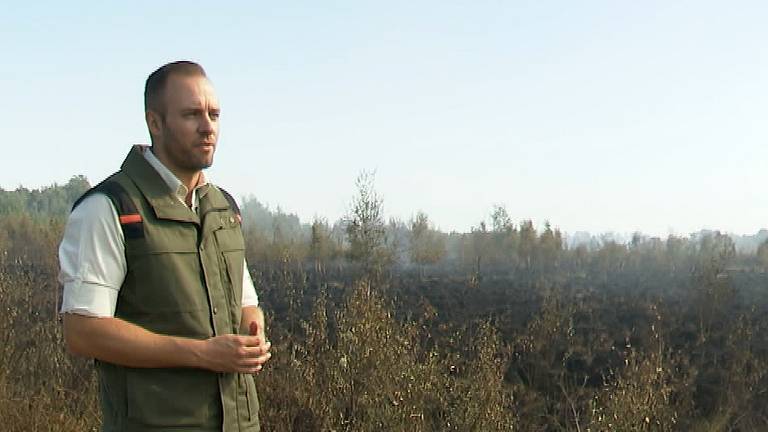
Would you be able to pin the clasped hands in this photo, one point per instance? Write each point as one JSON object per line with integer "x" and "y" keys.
{"x": 237, "y": 353}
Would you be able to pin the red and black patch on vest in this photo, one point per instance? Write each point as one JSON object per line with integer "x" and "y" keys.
{"x": 130, "y": 220}
{"x": 133, "y": 225}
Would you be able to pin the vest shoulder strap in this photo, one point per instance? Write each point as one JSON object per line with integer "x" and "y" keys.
{"x": 128, "y": 214}
{"x": 232, "y": 204}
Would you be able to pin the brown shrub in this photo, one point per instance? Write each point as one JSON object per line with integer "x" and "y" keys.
{"x": 650, "y": 393}
{"x": 364, "y": 370}
{"x": 41, "y": 387}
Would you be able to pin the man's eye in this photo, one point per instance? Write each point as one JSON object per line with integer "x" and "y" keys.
{"x": 215, "y": 115}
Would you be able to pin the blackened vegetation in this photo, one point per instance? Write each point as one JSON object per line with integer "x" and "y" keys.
{"x": 502, "y": 328}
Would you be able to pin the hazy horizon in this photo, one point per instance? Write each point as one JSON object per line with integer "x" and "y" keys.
{"x": 577, "y": 237}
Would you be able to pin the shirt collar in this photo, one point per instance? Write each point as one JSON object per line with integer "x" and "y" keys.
{"x": 173, "y": 182}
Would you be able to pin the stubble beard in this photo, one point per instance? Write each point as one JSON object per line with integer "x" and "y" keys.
{"x": 187, "y": 157}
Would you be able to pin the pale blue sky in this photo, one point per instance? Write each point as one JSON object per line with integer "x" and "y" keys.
{"x": 595, "y": 115}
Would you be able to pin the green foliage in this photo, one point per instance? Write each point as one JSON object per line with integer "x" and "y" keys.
{"x": 273, "y": 238}
{"x": 427, "y": 245}
{"x": 322, "y": 248}
{"x": 52, "y": 201}
{"x": 31, "y": 222}
{"x": 365, "y": 228}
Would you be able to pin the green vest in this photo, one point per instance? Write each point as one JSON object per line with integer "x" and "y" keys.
{"x": 184, "y": 278}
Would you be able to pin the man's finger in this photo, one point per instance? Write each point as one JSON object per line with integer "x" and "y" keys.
{"x": 249, "y": 362}
{"x": 248, "y": 369}
{"x": 264, "y": 358}
{"x": 254, "y": 351}
{"x": 250, "y": 341}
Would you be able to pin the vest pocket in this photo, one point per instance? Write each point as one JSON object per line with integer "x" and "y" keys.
{"x": 234, "y": 263}
{"x": 172, "y": 397}
{"x": 230, "y": 239}
{"x": 247, "y": 399}
{"x": 232, "y": 257}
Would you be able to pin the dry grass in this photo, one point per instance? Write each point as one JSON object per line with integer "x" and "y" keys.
{"x": 352, "y": 360}
{"x": 41, "y": 387}
{"x": 363, "y": 370}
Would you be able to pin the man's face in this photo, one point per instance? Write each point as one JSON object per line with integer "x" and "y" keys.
{"x": 185, "y": 136}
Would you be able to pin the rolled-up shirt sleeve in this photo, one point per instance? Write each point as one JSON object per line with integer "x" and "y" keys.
{"x": 92, "y": 258}
{"x": 249, "y": 291}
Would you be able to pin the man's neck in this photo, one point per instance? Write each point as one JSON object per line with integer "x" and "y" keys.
{"x": 189, "y": 179}
{"x": 191, "y": 183}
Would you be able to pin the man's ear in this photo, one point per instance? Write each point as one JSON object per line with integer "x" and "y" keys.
{"x": 154, "y": 123}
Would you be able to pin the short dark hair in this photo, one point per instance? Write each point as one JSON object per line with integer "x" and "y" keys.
{"x": 156, "y": 81}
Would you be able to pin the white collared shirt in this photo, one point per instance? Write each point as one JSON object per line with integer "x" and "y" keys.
{"x": 179, "y": 189}
{"x": 92, "y": 252}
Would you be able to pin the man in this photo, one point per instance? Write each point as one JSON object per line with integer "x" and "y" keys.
{"x": 156, "y": 288}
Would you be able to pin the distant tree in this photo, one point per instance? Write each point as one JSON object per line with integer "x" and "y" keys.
{"x": 527, "y": 245}
{"x": 288, "y": 243}
{"x": 338, "y": 236}
{"x": 500, "y": 219}
{"x": 397, "y": 235}
{"x": 322, "y": 247}
{"x": 273, "y": 237}
{"x": 580, "y": 258}
{"x": 427, "y": 245}
{"x": 677, "y": 253}
{"x": 479, "y": 248}
{"x": 13, "y": 202}
{"x": 647, "y": 254}
{"x": 365, "y": 227}
{"x": 715, "y": 250}
{"x": 762, "y": 254}
{"x": 610, "y": 258}
{"x": 75, "y": 187}
{"x": 506, "y": 239}
{"x": 549, "y": 247}
{"x": 52, "y": 201}
{"x": 713, "y": 294}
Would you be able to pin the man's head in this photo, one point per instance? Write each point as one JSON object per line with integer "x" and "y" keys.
{"x": 182, "y": 114}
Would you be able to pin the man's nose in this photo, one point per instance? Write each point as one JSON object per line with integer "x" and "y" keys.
{"x": 206, "y": 125}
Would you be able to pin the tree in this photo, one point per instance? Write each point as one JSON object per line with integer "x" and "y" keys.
{"x": 715, "y": 249}
{"x": 506, "y": 238}
{"x": 397, "y": 234}
{"x": 527, "y": 245}
{"x": 500, "y": 219}
{"x": 762, "y": 254}
{"x": 50, "y": 201}
{"x": 479, "y": 245}
{"x": 321, "y": 248}
{"x": 365, "y": 227}
{"x": 427, "y": 245}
